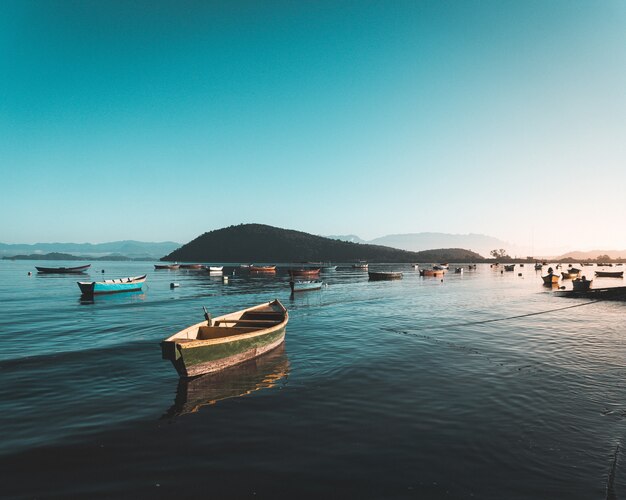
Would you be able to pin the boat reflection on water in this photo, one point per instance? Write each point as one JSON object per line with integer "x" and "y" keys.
{"x": 263, "y": 372}
{"x": 114, "y": 298}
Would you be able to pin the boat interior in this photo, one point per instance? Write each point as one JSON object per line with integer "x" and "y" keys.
{"x": 233, "y": 324}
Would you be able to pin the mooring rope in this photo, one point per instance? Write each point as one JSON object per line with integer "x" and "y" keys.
{"x": 482, "y": 322}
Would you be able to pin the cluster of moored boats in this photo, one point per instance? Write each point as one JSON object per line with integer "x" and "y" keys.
{"x": 223, "y": 341}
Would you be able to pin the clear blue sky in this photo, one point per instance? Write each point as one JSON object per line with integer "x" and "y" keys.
{"x": 162, "y": 120}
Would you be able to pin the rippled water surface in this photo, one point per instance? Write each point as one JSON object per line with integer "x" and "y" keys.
{"x": 382, "y": 389}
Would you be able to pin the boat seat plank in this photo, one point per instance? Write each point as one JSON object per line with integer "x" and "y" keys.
{"x": 263, "y": 321}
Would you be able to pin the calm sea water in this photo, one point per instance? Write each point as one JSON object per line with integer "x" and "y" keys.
{"x": 382, "y": 390}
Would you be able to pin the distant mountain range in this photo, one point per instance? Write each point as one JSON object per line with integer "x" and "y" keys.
{"x": 593, "y": 255}
{"x": 128, "y": 248}
{"x": 417, "y": 242}
{"x": 261, "y": 243}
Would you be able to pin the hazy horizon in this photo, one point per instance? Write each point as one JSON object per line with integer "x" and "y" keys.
{"x": 154, "y": 122}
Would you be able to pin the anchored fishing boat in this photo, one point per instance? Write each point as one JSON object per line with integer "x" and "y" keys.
{"x": 609, "y": 274}
{"x": 63, "y": 270}
{"x": 304, "y": 272}
{"x": 509, "y": 267}
{"x": 215, "y": 344}
{"x": 112, "y": 286}
{"x": 305, "y": 285}
{"x": 550, "y": 279}
{"x": 432, "y": 272}
{"x": 360, "y": 265}
{"x": 607, "y": 293}
{"x": 262, "y": 269}
{"x": 385, "y": 275}
{"x": 171, "y": 267}
{"x": 581, "y": 284}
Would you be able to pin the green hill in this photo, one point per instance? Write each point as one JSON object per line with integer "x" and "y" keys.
{"x": 261, "y": 243}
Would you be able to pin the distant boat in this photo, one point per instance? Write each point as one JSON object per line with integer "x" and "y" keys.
{"x": 327, "y": 269}
{"x": 262, "y": 269}
{"x": 471, "y": 267}
{"x": 587, "y": 264}
{"x": 550, "y": 279}
{"x": 215, "y": 344}
{"x": 581, "y": 284}
{"x": 538, "y": 266}
{"x": 360, "y": 265}
{"x": 171, "y": 267}
{"x": 63, "y": 270}
{"x": 415, "y": 266}
{"x": 509, "y": 267}
{"x": 458, "y": 270}
{"x": 112, "y": 286}
{"x": 432, "y": 272}
{"x": 569, "y": 275}
{"x": 609, "y": 274}
{"x": 605, "y": 264}
{"x": 245, "y": 266}
{"x": 385, "y": 275}
{"x": 191, "y": 266}
{"x": 441, "y": 267}
{"x": 304, "y": 285}
{"x": 304, "y": 272}
{"x": 215, "y": 269}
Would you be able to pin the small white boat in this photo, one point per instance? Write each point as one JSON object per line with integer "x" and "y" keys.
{"x": 215, "y": 269}
{"x": 305, "y": 285}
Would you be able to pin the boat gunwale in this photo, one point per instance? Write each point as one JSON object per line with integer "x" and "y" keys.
{"x": 191, "y": 343}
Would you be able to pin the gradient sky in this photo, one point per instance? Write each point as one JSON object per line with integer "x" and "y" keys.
{"x": 162, "y": 120}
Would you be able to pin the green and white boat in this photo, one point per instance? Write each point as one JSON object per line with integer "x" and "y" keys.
{"x": 218, "y": 343}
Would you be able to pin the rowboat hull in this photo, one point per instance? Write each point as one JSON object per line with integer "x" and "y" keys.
{"x": 550, "y": 279}
{"x": 305, "y": 286}
{"x": 62, "y": 270}
{"x": 509, "y": 267}
{"x": 327, "y": 269}
{"x": 226, "y": 345}
{"x": 432, "y": 272}
{"x": 569, "y": 276}
{"x": 385, "y": 276}
{"x": 610, "y": 274}
{"x": 608, "y": 293}
{"x": 191, "y": 266}
{"x": 170, "y": 267}
{"x": 112, "y": 286}
{"x": 262, "y": 269}
{"x": 304, "y": 272}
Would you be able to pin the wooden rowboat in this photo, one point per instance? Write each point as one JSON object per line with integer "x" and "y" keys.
{"x": 607, "y": 293}
{"x": 112, "y": 286}
{"x": 550, "y": 279}
{"x": 509, "y": 267}
{"x": 305, "y": 286}
{"x": 304, "y": 272}
{"x": 191, "y": 266}
{"x": 171, "y": 267}
{"x": 609, "y": 274}
{"x": 569, "y": 275}
{"x": 262, "y": 269}
{"x": 432, "y": 272}
{"x": 228, "y": 340}
{"x": 385, "y": 275}
{"x": 581, "y": 284}
{"x": 62, "y": 270}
